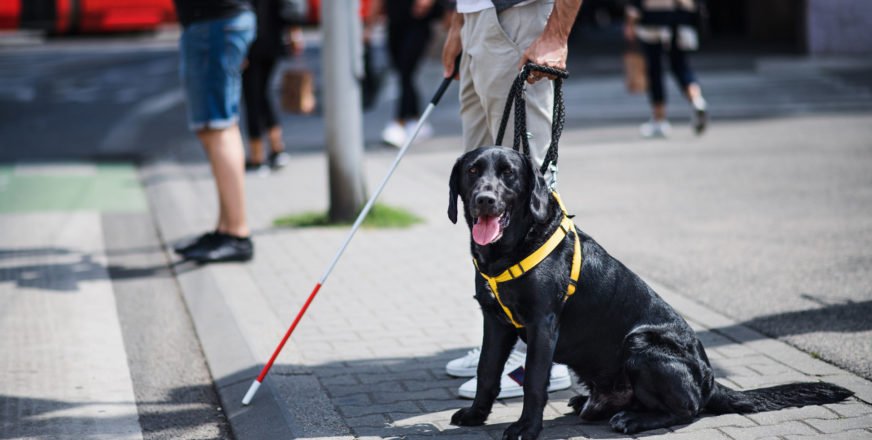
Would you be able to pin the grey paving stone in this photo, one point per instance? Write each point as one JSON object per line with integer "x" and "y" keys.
{"x": 758, "y": 381}
{"x": 781, "y": 429}
{"x": 374, "y": 420}
{"x": 452, "y": 404}
{"x": 850, "y": 408}
{"x": 395, "y": 376}
{"x": 711, "y": 422}
{"x": 418, "y": 385}
{"x": 804, "y": 413}
{"x": 842, "y": 424}
{"x": 339, "y": 380}
{"x": 734, "y": 351}
{"x": 857, "y": 434}
{"x": 354, "y": 399}
{"x": 362, "y": 410}
{"x": 703, "y": 434}
{"x": 345, "y": 390}
{"x": 390, "y": 397}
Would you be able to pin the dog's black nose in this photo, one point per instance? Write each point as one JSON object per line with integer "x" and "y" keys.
{"x": 485, "y": 200}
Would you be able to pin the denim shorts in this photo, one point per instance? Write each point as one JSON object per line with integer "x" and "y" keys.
{"x": 212, "y": 53}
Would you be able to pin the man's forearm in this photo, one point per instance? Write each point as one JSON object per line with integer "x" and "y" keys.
{"x": 562, "y": 18}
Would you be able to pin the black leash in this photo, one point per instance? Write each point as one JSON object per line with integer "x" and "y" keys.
{"x": 516, "y": 97}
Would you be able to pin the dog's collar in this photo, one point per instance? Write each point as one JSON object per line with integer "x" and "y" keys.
{"x": 566, "y": 225}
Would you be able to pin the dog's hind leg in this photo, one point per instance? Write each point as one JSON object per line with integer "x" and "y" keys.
{"x": 671, "y": 381}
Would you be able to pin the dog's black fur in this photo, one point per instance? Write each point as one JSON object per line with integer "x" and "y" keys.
{"x": 643, "y": 364}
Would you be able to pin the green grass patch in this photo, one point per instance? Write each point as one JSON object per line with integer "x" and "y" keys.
{"x": 380, "y": 216}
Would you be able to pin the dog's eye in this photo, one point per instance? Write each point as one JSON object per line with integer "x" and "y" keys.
{"x": 507, "y": 171}
{"x": 473, "y": 170}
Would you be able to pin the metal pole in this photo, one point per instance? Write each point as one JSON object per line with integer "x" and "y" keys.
{"x": 343, "y": 111}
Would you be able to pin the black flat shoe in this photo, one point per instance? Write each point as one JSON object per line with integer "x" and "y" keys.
{"x": 224, "y": 247}
{"x": 202, "y": 240}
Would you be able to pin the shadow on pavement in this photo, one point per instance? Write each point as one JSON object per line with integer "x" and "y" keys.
{"x": 77, "y": 267}
{"x": 849, "y": 317}
{"x": 27, "y": 417}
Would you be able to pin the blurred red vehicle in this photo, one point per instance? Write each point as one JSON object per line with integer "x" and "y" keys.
{"x": 86, "y": 16}
{"x": 101, "y": 16}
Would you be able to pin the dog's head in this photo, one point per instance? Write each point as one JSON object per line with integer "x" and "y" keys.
{"x": 499, "y": 187}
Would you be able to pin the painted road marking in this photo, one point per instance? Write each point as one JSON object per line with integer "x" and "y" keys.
{"x": 75, "y": 186}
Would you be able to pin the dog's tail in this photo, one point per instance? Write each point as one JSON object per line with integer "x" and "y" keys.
{"x": 725, "y": 400}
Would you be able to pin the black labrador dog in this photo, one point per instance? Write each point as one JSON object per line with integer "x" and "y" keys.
{"x": 643, "y": 364}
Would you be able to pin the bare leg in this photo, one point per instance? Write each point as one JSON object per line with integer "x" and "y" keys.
{"x": 256, "y": 147}
{"x": 659, "y": 111}
{"x": 227, "y": 157}
{"x": 693, "y": 92}
{"x": 275, "y": 139}
{"x": 694, "y": 95}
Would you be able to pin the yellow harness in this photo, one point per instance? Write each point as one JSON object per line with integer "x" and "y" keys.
{"x": 516, "y": 271}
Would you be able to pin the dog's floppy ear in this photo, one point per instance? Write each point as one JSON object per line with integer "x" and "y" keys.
{"x": 452, "y": 191}
{"x": 538, "y": 193}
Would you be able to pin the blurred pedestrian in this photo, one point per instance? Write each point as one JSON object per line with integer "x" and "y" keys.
{"x": 668, "y": 26}
{"x": 264, "y": 55}
{"x": 496, "y": 39}
{"x": 409, "y": 31}
{"x": 213, "y": 45}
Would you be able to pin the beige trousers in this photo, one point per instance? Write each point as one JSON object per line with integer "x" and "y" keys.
{"x": 492, "y": 50}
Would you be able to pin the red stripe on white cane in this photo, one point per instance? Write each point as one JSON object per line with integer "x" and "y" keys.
{"x": 256, "y": 384}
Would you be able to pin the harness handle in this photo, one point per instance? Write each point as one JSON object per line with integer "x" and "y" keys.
{"x": 516, "y": 97}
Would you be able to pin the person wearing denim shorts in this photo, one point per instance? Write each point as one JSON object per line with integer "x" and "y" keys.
{"x": 213, "y": 46}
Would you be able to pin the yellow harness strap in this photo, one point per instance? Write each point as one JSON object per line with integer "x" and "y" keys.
{"x": 516, "y": 271}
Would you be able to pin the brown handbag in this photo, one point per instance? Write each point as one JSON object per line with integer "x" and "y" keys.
{"x": 634, "y": 70}
{"x": 298, "y": 91}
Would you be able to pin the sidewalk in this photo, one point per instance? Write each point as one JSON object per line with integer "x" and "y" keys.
{"x": 367, "y": 360}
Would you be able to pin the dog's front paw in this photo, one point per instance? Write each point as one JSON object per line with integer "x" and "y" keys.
{"x": 625, "y": 422}
{"x": 522, "y": 430}
{"x": 468, "y": 417}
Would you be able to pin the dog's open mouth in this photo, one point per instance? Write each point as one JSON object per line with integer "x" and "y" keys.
{"x": 486, "y": 230}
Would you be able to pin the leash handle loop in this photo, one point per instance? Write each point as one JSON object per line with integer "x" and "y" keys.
{"x": 517, "y": 99}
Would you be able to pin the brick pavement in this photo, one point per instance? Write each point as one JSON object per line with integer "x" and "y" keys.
{"x": 367, "y": 361}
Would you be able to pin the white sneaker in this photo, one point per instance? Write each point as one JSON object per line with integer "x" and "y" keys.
{"x": 512, "y": 381}
{"x": 425, "y": 132}
{"x": 653, "y": 128}
{"x": 464, "y": 366}
{"x": 278, "y": 160}
{"x": 394, "y": 134}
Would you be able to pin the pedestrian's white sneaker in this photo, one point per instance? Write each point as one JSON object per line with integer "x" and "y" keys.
{"x": 394, "y": 134}
{"x": 655, "y": 129}
{"x": 464, "y": 366}
{"x": 425, "y": 132}
{"x": 512, "y": 381}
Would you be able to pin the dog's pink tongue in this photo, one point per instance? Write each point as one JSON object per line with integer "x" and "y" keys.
{"x": 486, "y": 230}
